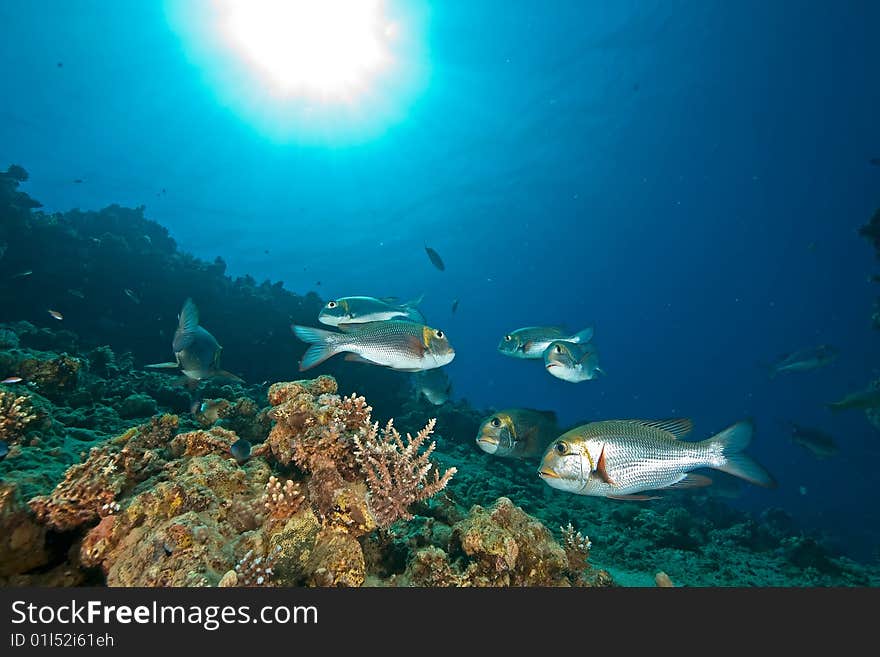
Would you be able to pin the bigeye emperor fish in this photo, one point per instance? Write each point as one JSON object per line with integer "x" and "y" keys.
{"x": 572, "y": 362}
{"x": 196, "y": 351}
{"x": 517, "y": 433}
{"x": 359, "y": 310}
{"x": 532, "y": 341}
{"x": 396, "y": 344}
{"x": 622, "y": 459}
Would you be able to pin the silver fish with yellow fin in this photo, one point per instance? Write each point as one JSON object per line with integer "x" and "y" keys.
{"x": 572, "y": 362}
{"x": 359, "y": 310}
{"x": 197, "y": 352}
{"x": 532, "y": 341}
{"x": 517, "y": 433}
{"x": 399, "y": 345}
{"x": 621, "y": 459}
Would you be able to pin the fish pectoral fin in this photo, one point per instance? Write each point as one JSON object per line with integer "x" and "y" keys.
{"x": 690, "y": 481}
{"x": 415, "y": 343}
{"x": 602, "y": 470}
{"x": 633, "y": 498}
{"x": 526, "y": 346}
{"x": 162, "y": 366}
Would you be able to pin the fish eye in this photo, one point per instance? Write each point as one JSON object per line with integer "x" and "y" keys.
{"x": 558, "y": 349}
{"x": 507, "y": 338}
{"x": 560, "y": 447}
{"x": 496, "y": 422}
{"x": 438, "y": 334}
{"x": 331, "y": 304}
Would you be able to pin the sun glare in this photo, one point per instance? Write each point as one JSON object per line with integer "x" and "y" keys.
{"x": 327, "y": 50}
{"x": 308, "y": 70}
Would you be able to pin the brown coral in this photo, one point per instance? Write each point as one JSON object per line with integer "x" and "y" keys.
{"x": 16, "y": 414}
{"x": 22, "y": 541}
{"x": 396, "y": 473}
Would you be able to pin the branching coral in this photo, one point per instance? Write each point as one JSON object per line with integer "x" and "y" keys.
{"x": 577, "y": 549}
{"x": 396, "y": 473}
{"x": 281, "y": 502}
{"x": 16, "y": 414}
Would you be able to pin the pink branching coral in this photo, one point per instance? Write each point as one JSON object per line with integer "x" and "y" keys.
{"x": 396, "y": 473}
{"x": 281, "y": 502}
{"x": 15, "y": 415}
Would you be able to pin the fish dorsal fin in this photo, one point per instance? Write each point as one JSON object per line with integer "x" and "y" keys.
{"x": 188, "y": 320}
{"x": 390, "y": 300}
{"x": 348, "y": 327}
{"x": 547, "y": 415}
{"x": 601, "y": 468}
{"x": 676, "y": 427}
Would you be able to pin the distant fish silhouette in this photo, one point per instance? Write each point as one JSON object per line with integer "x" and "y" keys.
{"x": 875, "y": 161}
{"x": 454, "y": 306}
{"x": 436, "y": 260}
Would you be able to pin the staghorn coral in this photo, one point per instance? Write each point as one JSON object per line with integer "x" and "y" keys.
{"x": 396, "y": 473}
{"x": 16, "y": 414}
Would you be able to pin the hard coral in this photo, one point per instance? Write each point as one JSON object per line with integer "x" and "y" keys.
{"x": 396, "y": 473}
{"x": 16, "y": 414}
{"x": 89, "y": 490}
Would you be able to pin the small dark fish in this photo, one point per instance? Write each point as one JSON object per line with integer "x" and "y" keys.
{"x": 77, "y": 181}
{"x": 875, "y": 161}
{"x": 60, "y": 64}
{"x": 22, "y": 274}
{"x": 436, "y": 260}
{"x": 12, "y": 379}
{"x": 241, "y": 450}
{"x": 76, "y": 293}
{"x": 818, "y": 443}
{"x": 454, "y": 306}
{"x": 131, "y": 295}
{"x": 57, "y": 315}
{"x": 4, "y": 449}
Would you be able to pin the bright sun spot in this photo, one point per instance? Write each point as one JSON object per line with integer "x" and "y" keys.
{"x": 317, "y": 71}
{"x": 327, "y": 50}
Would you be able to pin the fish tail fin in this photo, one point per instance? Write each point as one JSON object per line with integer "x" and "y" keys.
{"x": 731, "y": 442}
{"x": 583, "y": 336}
{"x": 323, "y": 345}
{"x": 413, "y": 303}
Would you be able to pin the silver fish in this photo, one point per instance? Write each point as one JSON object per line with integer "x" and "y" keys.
{"x": 571, "y": 361}
{"x": 517, "y": 433}
{"x": 197, "y": 352}
{"x": 359, "y": 310}
{"x": 433, "y": 385}
{"x": 532, "y": 341}
{"x": 804, "y": 361}
{"x": 621, "y": 459}
{"x": 399, "y": 345}
{"x": 818, "y": 443}
{"x": 861, "y": 400}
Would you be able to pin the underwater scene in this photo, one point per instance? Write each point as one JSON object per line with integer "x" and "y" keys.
{"x": 428, "y": 294}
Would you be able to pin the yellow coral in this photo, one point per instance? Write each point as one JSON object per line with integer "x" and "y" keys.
{"x": 16, "y": 414}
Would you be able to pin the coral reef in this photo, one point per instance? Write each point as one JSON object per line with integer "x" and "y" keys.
{"x": 15, "y": 416}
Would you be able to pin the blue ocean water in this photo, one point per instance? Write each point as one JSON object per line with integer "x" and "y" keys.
{"x": 688, "y": 177}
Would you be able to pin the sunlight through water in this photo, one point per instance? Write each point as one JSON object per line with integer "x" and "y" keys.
{"x": 308, "y": 70}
